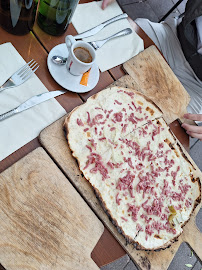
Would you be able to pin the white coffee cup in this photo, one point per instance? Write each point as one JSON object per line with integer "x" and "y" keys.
{"x": 74, "y": 65}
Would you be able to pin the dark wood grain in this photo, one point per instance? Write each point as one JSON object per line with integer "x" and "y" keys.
{"x": 107, "y": 249}
{"x": 37, "y": 45}
{"x": 180, "y": 133}
{"x": 49, "y": 41}
{"x": 1, "y": 267}
{"x": 17, "y": 155}
{"x": 104, "y": 81}
{"x": 117, "y": 72}
{"x": 30, "y": 48}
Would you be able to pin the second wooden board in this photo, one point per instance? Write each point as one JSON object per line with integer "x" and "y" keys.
{"x": 45, "y": 224}
{"x": 155, "y": 79}
{"x": 54, "y": 141}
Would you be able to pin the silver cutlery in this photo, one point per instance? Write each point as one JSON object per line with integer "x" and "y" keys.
{"x": 21, "y": 75}
{"x": 35, "y": 100}
{"x": 96, "y": 29}
{"x": 99, "y": 43}
{"x": 59, "y": 60}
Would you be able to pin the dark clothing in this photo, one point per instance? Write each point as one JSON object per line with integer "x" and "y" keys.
{"x": 187, "y": 34}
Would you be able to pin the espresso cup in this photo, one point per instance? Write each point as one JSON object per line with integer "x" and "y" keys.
{"x": 81, "y": 56}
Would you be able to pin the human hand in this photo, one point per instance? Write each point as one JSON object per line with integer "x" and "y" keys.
{"x": 193, "y": 131}
{"x": 106, "y": 3}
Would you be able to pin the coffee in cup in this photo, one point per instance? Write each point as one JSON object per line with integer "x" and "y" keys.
{"x": 83, "y": 54}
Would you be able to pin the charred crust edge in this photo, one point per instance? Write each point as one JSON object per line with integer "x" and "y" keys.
{"x": 198, "y": 200}
{"x": 184, "y": 156}
{"x": 128, "y": 239}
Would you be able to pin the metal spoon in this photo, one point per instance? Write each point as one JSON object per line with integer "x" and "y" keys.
{"x": 59, "y": 60}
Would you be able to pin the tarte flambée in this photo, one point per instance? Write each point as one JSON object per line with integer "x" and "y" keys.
{"x": 140, "y": 173}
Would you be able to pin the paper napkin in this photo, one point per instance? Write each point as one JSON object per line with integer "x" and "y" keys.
{"x": 116, "y": 51}
{"x": 21, "y": 128}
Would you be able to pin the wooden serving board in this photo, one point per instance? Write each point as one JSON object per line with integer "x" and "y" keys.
{"x": 45, "y": 224}
{"x": 152, "y": 76}
{"x": 54, "y": 141}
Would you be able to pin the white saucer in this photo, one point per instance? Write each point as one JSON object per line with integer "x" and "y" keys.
{"x": 64, "y": 78}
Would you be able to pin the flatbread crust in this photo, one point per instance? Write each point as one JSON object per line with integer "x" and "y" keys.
{"x": 132, "y": 160}
{"x": 157, "y": 81}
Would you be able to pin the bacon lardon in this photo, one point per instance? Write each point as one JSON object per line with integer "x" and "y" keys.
{"x": 118, "y": 199}
{"x": 96, "y": 160}
{"x": 79, "y": 122}
{"x": 119, "y": 103}
{"x": 134, "y": 210}
{"x": 118, "y": 117}
{"x": 130, "y": 158}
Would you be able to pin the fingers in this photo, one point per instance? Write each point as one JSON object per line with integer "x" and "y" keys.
{"x": 106, "y": 3}
{"x": 195, "y": 135}
{"x": 193, "y": 131}
{"x": 192, "y": 128}
{"x": 195, "y": 117}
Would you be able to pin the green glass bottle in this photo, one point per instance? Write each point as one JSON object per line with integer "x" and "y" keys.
{"x": 54, "y": 16}
{"x": 17, "y": 17}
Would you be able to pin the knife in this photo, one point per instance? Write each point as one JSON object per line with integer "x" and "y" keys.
{"x": 99, "y": 27}
{"x": 35, "y": 100}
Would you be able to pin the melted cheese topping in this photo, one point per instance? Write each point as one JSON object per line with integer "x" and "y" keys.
{"x": 134, "y": 162}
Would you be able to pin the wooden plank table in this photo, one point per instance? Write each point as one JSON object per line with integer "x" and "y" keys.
{"x": 37, "y": 45}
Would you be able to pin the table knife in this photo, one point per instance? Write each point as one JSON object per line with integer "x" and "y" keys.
{"x": 35, "y": 100}
{"x": 99, "y": 27}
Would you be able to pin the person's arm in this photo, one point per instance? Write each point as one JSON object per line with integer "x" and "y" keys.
{"x": 193, "y": 131}
{"x": 106, "y": 3}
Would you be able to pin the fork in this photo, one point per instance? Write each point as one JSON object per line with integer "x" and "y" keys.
{"x": 21, "y": 75}
{"x": 99, "y": 43}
